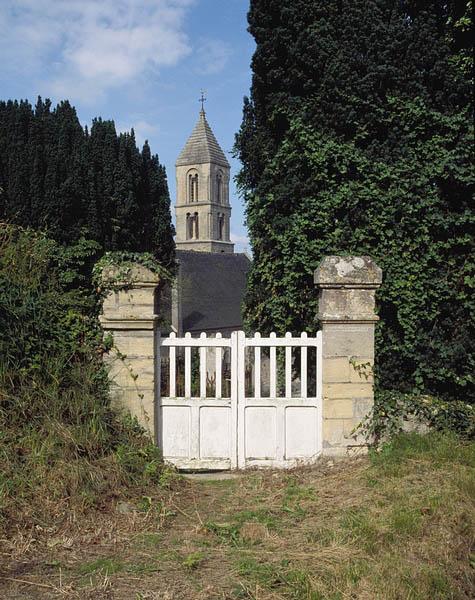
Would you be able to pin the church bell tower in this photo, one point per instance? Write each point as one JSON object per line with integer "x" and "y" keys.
{"x": 202, "y": 182}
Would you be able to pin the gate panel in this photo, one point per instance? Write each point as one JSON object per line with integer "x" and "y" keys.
{"x": 281, "y": 427}
{"x": 196, "y": 431}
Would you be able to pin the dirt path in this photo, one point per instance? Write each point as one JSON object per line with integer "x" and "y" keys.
{"x": 329, "y": 533}
{"x": 188, "y": 544}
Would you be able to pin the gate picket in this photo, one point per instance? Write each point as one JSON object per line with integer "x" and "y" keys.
{"x": 257, "y": 368}
{"x": 218, "y": 368}
{"x": 203, "y": 368}
{"x": 172, "y": 356}
{"x": 303, "y": 367}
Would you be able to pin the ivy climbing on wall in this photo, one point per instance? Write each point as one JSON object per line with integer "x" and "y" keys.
{"x": 358, "y": 139}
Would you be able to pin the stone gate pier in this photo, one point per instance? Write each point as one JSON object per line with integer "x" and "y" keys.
{"x": 129, "y": 315}
{"x": 346, "y": 310}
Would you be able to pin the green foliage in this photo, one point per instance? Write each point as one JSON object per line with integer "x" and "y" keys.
{"x": 76, "y": 183}
{"x": 193, "y": 561}
{"x": 43, "y": 315}
{"x": 460, "y": 29}
{"x": 114, "y": 270}
{"x": 140, "y": 461}
{"x": 106, "y": 566}
{"x": 358, "y": 139}
{"x": 395, "y": 411}
{"x": 60, "y": 440}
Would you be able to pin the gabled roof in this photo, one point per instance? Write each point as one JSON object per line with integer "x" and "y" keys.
{"x": 202, "y": 146}
{"x": 211, "y": 289}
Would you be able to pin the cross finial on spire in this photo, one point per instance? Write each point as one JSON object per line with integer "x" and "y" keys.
{"x": 203, "y": 100}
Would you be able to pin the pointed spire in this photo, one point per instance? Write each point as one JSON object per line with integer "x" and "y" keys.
{"x": 202, "y": 146}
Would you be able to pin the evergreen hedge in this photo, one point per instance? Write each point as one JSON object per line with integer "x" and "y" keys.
{"x": 358, "y": 139}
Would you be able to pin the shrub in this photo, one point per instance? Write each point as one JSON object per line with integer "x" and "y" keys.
{"x": 59, "y": 437}
{"x": 395, "y": 412}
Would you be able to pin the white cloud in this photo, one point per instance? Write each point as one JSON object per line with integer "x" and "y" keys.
{"x": 211, "y": 56}
{"x": 143, "y": 130}
{"x": 241, "y": 241}
{"x": 90, "y": 47}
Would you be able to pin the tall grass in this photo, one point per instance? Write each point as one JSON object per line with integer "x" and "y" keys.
{"x": 61, "y": 443}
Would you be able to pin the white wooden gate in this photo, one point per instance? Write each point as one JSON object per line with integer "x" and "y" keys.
{"x": 227, "y": 403}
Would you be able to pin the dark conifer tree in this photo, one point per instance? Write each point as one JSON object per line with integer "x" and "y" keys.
{"x": 102, "y": 153}
{"x": 156, "y": 203}
{"x": 358, "y": 138}
{"x": 126, "y": 201}
{"x": 60, "y": 177}
{"x": 69, "y": 186}
{"x": 16, "y": 158}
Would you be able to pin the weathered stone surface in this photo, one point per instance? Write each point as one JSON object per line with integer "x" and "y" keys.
{"x": 136, "y": 297}
{"x": 139, "y": 345}
{"x": 347, "y": 312}
{"x": 348, "y": 271}
{"x": 139, "y": 402}
{"x": 129, "y": 315}
{"x": 133, "y": 312}
{"x": 361, "y": 408}
{"x": 137, "y": 275}
{"x": 337, "y": 433}
{"x": 338, "y": 408}
{"x": 132, "y": 372}
{"x": 336, "y": 369}
{"x": 133, "y": 307}
{"x": 207, "y": 246}
{"x": 347, "y": 304}
{"x": 202, "y": 147}
{"x": 347, "y": 390}
{"x": 348, "y": 339}
{"x": 127, "y": 323}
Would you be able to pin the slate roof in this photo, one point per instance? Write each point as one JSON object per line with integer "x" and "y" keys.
{"x": 202, "y": 146}
{"x": 211, "y": 289}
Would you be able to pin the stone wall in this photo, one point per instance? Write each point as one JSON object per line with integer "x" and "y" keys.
{"x": 347, "y": 288}
{"x": 203, "y": 245}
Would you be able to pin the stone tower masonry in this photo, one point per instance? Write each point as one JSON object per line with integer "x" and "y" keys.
{"x": 202, "y": 208}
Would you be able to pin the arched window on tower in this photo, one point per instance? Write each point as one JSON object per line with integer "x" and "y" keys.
{"x": 193, "y": 187}
{"x": 192, "y": 227}
{"x": 220, "y": 226}
{"x": 196, "y": 227}
{"x": 219, "y": 187}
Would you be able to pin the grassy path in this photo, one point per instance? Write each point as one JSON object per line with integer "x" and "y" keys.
{"x": 400, "y": 526}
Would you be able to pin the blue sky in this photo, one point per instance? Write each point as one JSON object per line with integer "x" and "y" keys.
{"x": 139, "y": 62}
